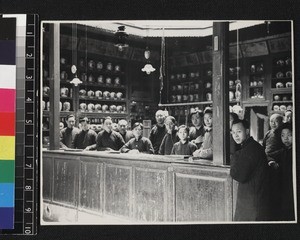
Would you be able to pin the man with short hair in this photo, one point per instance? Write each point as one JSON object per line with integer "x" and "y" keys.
{"x": 86, "y": 136}
{"x": 158, "y": 131}
{"x": 108, "y": 139}
{"x": 68, "y": 133}
{"x": 250, "y": 169}
{"x": 197, "y": 131}
{"x": 126, "y": 134}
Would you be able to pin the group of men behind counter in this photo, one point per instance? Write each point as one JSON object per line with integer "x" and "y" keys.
{"x": 265, "y": 184}
{"x": 165, "y": 138}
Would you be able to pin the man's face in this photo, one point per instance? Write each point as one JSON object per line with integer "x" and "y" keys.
{"x": 196, "y": 120}
{"x": 182, "y": 134}
{"x": 275, "y": 122}
{"x": 85, "y": 126}
{"x": 208, "y": 119}
{"x": 169, "y": 125}
{"x": 286, "y": 137}
{"x": 122, "y": 126}
{"x": 137, "y": 131}
{"x": 71, "y": 122}
{"x": 160, "y": 118}
{"x": 239, "y": 133}
{"x": 288, "y": 117}
{"x": 107, "y": 125}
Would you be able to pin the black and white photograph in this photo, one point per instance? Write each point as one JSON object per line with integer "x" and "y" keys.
{"x": 167, "y": 122}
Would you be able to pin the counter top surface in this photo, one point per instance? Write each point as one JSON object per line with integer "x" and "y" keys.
{"x": 137, "y": 157}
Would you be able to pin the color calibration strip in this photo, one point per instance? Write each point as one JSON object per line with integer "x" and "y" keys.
{"x": 25, "y": 151}
{"x": 7, "y": 121}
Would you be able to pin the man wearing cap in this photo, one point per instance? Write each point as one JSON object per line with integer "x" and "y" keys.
{"x": 197, "y": 130}
{"x": 108, "y": 139}
{"x": 86, "y": 136}
{"x": 158, "y": 131}
{"x": 68, "y": 133}
{"x": 126, "y": 134}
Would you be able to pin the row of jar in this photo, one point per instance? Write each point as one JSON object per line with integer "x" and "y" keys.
{"x": 190, "y": 87}
{"x": 287, "y": 74}
{"x": 101, "y": 79}
{"x": 190, "y": 98}
{"x": 283, "y": 85}
{"x": 100, "y": 95}
{"x": 208, "y": 73}
{"x": 91, "y": 107}
{"x": 283, "y": 97}
{"x": 63, "y": 106}
{"x": 284, "y": 62}
{"x": 283, "y": 107}
{"x": 87, "y": 107}
{"x": 257, "y": 68}
{"x": 92, "y": 65}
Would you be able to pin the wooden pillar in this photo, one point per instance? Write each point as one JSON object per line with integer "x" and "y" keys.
{"x": 220, "y": 84}
{"x": 54, "y": 72}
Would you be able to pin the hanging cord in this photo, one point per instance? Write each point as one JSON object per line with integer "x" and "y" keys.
{"x": 162, "y": 65}
{"x": 86, "y": 73}
{"x": 238, "y": 63}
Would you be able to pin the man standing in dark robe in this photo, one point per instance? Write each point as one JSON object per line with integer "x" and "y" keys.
{"x": 68, "y": 134}
{"x": 250, "y": 169}
{"x": 108, "y": 139}
{"x": 86, "y": 136}
{"x": 158, "y": 131}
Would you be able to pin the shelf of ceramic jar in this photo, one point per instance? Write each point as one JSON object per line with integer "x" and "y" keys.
{"x": 103, "y": 85}
{"x": 123, "y": 100}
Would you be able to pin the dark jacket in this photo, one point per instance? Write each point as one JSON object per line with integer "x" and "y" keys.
{"x": 249, "y": 168}
{"x": 67, "y": 136}
{"x": 84, "y": 139}
{"x": 286, "y": 196}
{"x": 127, "y": 136}
{"x": 195, "y": 133}
{"x": 168, "y": 142}
{"x": 156, "y": 136}
{"x": 186, "y": 148}
{"x": 143, "y": 144}
{"x": 109, "y": 140}
{"x": 272, "y": 144}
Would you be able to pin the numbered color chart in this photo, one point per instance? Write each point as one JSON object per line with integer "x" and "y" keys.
{"x": 7, "y": 120}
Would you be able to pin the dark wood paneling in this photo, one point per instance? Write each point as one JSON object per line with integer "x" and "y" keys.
{"x": 118, "y": 189}
{"x": 66, "y": 172}
{"x": 138, "y": 190}
{"x": 90, "y": 186}
{"x": 47, "y": 177}
{"x": 150, "y": 195}
{"x": 200, "y": 198}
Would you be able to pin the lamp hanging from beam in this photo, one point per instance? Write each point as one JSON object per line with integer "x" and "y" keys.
{"x": 121, "y": 38}
{"x": 148, "y": 68}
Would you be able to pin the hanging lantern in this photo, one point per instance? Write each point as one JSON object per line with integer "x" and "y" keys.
{"x": 121, "y": 38}
{"x": 76, "y": 81}
{"x": 148, "y": 68}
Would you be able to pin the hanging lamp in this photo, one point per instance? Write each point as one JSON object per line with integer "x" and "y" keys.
{"x": 121, "y": 38}
{"x": 148, "y": 68}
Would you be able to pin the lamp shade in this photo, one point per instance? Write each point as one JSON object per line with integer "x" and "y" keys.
{"x": 148, "y": 68}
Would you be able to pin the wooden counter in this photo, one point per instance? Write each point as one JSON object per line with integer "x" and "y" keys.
{"x": 137, "y": 188}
